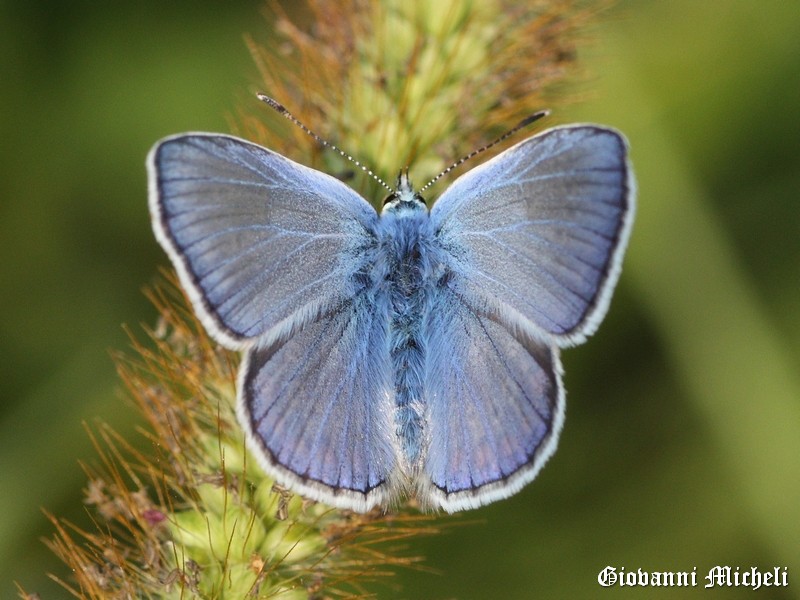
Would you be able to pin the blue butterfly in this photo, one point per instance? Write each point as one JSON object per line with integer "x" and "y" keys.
{"x": 411, "y": 353}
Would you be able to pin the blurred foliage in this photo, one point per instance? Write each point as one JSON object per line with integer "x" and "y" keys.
{"x": 682, "y": 443}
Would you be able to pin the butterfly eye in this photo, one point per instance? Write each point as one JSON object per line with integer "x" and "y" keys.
{"x": 390, "y": 198}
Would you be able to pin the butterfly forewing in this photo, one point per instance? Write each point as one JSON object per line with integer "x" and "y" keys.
{"x": 261, "y": 243}
{"x": 538, "y": 231}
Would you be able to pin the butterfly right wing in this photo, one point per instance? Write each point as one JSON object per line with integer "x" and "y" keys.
{"x": 261, "y": 244}
{"x": 530, "y": 246}
{"x": 494, "y": 404}
{"x": 538, "y": 232}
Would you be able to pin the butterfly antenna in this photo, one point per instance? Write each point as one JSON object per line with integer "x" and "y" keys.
{"x": 285, "y": 112}
{"x": 524, "y": 123}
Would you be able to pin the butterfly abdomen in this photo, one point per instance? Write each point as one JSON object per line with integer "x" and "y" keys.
{"x": 405, "y": 241}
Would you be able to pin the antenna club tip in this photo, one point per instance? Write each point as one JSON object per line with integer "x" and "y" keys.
{"x": 534, "y": 117}
{"x": 272, "y": 102}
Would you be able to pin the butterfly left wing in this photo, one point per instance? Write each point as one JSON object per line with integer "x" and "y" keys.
{"x": 494, "y": 403}
{"x": 318, "y": 410}
{"x": 274, "y": 256}
{"x": 538, "y": 232}
{"x": 261, "y": 243}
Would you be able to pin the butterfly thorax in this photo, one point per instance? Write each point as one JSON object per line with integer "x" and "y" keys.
{"x": 406, "y": 240}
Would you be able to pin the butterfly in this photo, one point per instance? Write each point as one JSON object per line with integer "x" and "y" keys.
{"x": 411, "y": 353}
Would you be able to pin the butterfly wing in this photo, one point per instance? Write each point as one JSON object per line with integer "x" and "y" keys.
{"x": 318, "y": 407}
{"x": 537, "y": 233}
{"x": 495, "y": 405}
{"x": 275, "y": 258}
{"x": 261, "y": 243}
{"x": 530, "y": 245}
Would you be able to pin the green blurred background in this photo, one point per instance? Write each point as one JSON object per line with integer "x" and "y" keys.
{"x": 682, "y": 442}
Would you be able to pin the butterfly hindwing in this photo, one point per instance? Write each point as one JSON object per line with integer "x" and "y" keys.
{"x": 261, "y": 243}
{"x": 318, "y": 406}
{"x": 538, "y": 232}
{"x": 494, "y": 404}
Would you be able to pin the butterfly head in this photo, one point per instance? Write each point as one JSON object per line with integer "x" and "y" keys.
{"x": 404, "y": 197}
